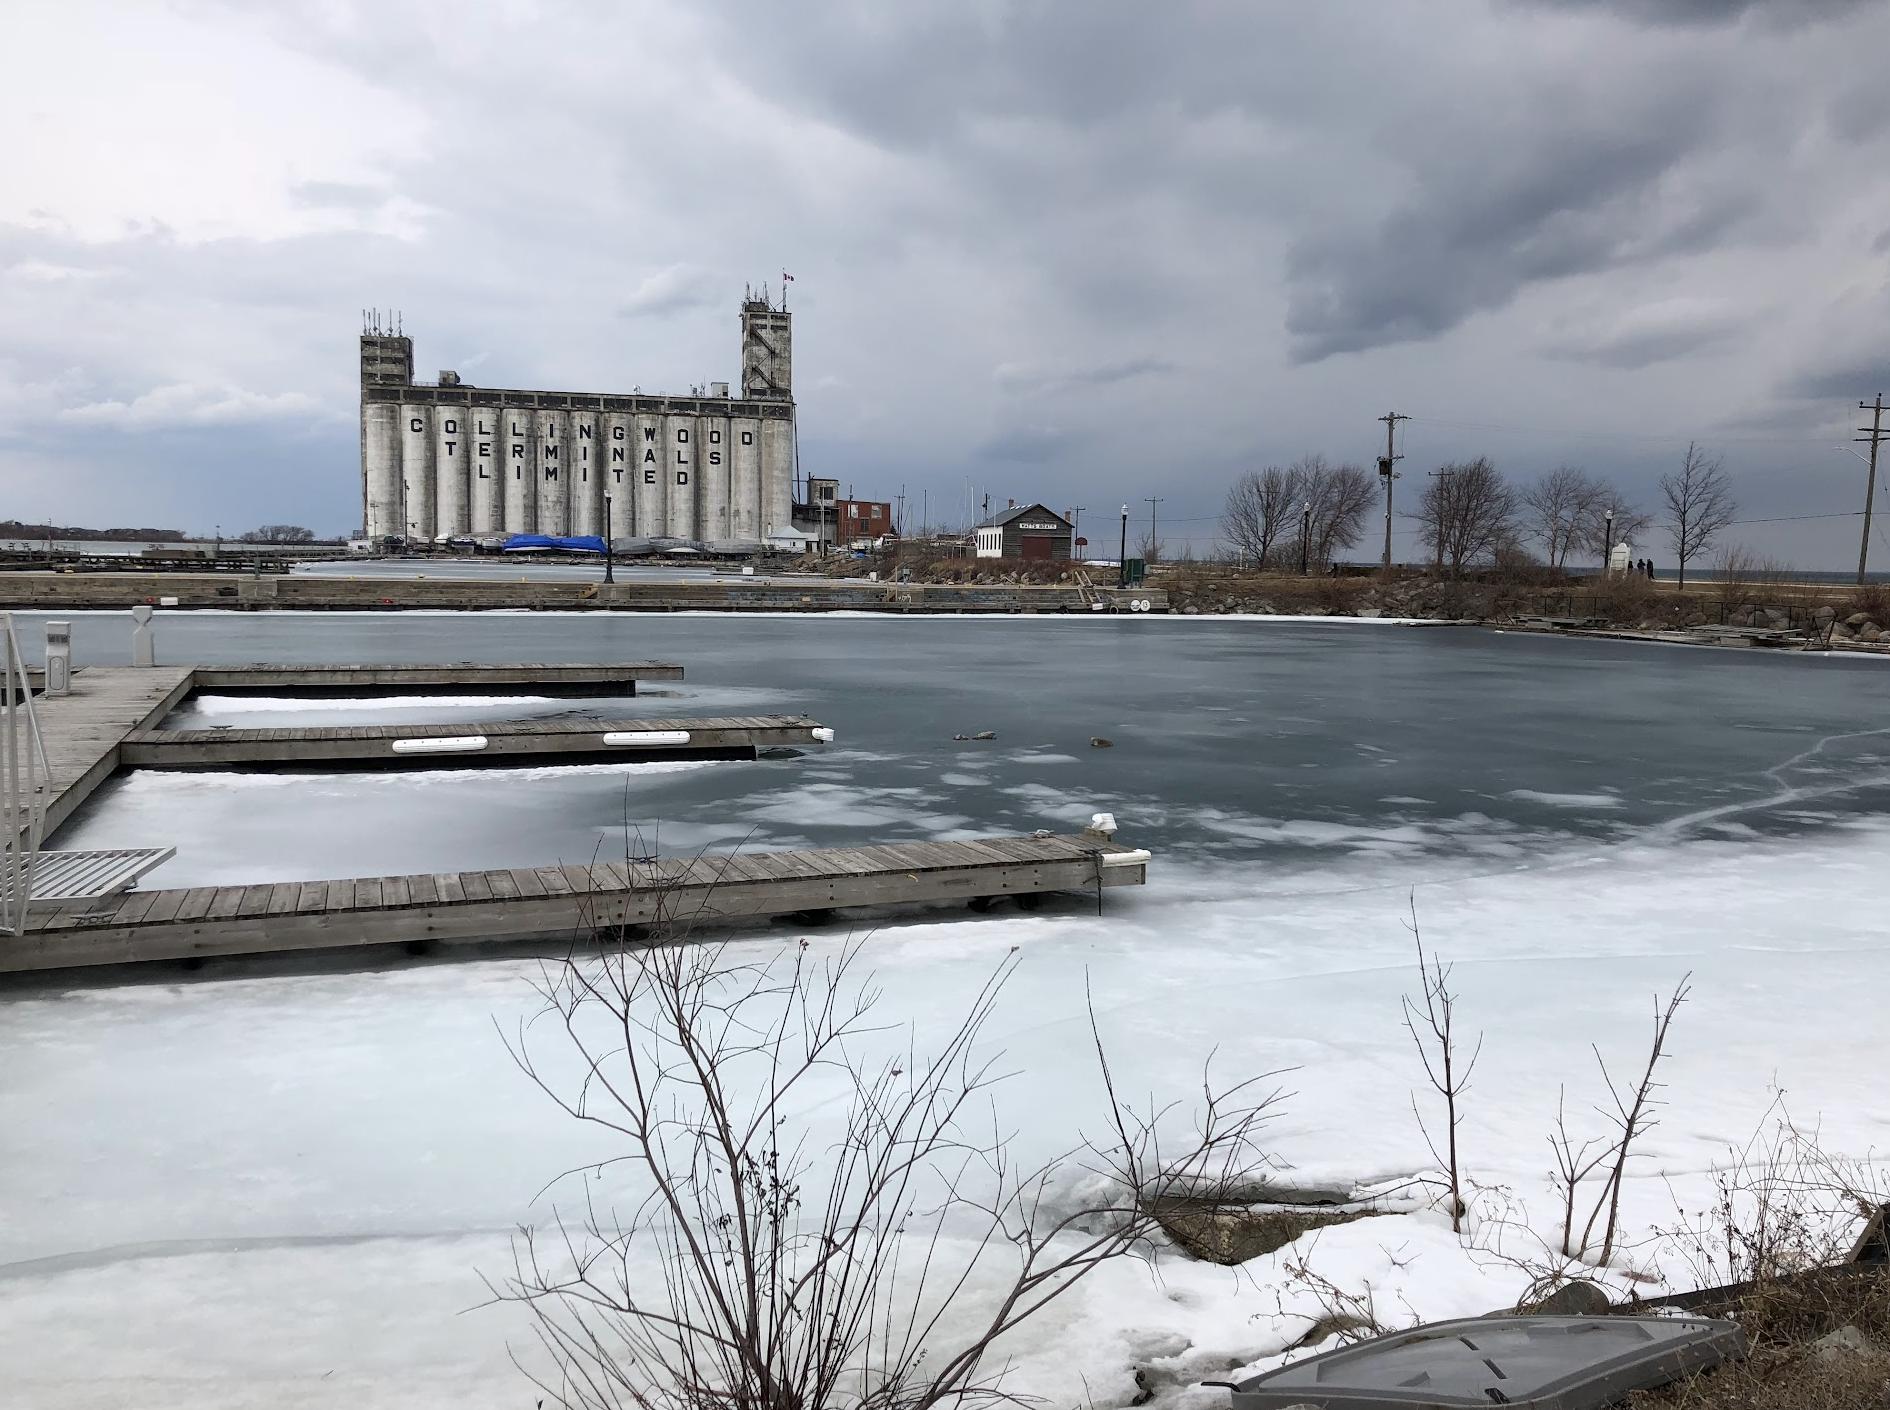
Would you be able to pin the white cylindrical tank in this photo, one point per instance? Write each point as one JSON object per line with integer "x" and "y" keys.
{"x": 586, "y": 471}
{"x": 712, "y": 475}
{"x": 554, "y": 472}
{"x": 416, "y": 470}
{"x": 646, "y": 457}
{"x": 452, "y": 509}
{"x": 484, "y": 465}
{"x": 777, "y": 475}
{"x": 520, "y": 447}
{"x": 616, "y": 432}
{"x": 380, "y": 468}
{"x": 744, "y": 479}
{"x": 681, "y": 434}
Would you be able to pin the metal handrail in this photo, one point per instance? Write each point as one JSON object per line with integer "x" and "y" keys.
{"x": 24, "y": 788}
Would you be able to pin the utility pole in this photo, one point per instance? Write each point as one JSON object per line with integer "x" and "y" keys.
{"x": 1153, "y": 500}
{"x": 1305, "y": 536}
{"x": 610, "y": 565}
{"x": 1387, "y": 468}
{"x": 1875, "y": 428}
{"x": 1076, "y": 530}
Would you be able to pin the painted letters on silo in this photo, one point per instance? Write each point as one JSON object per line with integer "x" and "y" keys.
{"x": 586, "y": 474}
{"x": 745, "y": 479}
{"x": 380, "y": 467}
{"x": 554, "y": 484}
{"x": 615, "y": 452}
{"x": 521, "y": 471}
{"x": 416, "y": 471}
{"x": 777, "y": 475}
{"x": 485, "y": 463}
{"x": 679, "y": 479}
{"x": 447, "y": 459}
{"x": 713, "y": 475}
{"x": 646, "y": 455}
{"x": 452, "y": 509}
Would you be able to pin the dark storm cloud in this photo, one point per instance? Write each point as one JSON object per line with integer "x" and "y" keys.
{"x": 1714, "y": 12}
{"x": 1083, "y": 246}
{"x": 1027, "y": 445}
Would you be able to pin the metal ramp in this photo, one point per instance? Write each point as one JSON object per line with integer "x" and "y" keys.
{"x": 60, "y": 877}
{"x": 1086, "y": 589}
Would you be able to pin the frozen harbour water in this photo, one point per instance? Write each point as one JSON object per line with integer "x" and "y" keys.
{"x": 281, "y": 1187}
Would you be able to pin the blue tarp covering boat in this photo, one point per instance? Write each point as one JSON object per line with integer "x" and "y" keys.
{"x": 555, "y": 543}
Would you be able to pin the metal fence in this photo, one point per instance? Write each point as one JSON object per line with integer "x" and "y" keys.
{"x": 25, "y": 782}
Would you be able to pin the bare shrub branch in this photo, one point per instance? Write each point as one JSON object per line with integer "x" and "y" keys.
{"x": 1437, "y": 1050}
{"x": 814, "y": 1226}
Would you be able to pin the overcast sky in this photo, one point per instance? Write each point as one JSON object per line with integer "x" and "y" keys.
{"x": 1083, "y": 253}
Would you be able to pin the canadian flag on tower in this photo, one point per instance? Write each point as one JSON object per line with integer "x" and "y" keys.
{"x": 786, "y": 278}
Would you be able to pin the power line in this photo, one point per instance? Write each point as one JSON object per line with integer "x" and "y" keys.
{"x": 1662, "y": 438}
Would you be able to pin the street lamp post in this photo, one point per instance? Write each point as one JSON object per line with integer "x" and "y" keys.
{"x": 1607, "y": 543}
{"x": 1122, "y": 555}
{"x": 610, "y": 566}
{"x": 1305, "y": 539}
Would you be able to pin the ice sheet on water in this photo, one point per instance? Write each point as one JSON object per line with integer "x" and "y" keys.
{"x": 1564, "y": 800}
{"x": 383, "y": 1103}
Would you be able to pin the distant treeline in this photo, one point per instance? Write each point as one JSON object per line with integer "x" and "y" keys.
{"x": 14, "y": 529}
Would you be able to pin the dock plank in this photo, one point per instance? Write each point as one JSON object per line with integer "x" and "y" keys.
{"x": 550, "y": 903}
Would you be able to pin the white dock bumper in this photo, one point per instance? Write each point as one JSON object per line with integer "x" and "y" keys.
{"x": 823, "y": 735}
{"x": 453, "y": 744}
{"x": 641, "y": 738}
{"x": 1126, "y": 859}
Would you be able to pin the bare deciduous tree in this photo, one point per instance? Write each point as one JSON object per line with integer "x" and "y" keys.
{"x": 1339, "y": 496}
{"x": 1699, "y": 504}
{"x": 1260, "y": 507}
{"x": 1437, "y": 1049}
{"x": 813, "y": 1221}
{"x": 1468, "y": 511}
{"x": 1557, "y": 508}
{"x": 1598, "y": 536}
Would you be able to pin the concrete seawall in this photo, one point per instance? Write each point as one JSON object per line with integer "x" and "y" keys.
{"x": 262, "y": 593}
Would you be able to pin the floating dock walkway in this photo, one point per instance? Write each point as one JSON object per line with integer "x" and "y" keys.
{"x": 86, "y": 731}
{"x": 560, "y": 903}
{"x": 456, "y": 746}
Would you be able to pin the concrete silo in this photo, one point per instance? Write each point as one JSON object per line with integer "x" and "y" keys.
{"x": 451, "y": 506}
{"x": 777, "y": 475}
{"x": 445, "y": 459}
{"x": 744, "y": 479}
{"x": 585, "y": 472}
{"x": 416, "y": 470}
{"x": 682, "y": 438}
{"x": 620, "y": 478}
{"x": 646, "y": 458}
{"x": 554, "y": 472}
{"x": 520, "y": 443}
{"x": 712, "y": 477}
{"x": 484, "y": 465}
{"x": 380, "y": 468}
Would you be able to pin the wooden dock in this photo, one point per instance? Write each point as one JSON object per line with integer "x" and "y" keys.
{"x": 86, "y": 730}
{"x": 83, "y": 731}
{"x": 556, "y": 903}
{"x": 469, "y": 677}
{"x": 459, "y": 746}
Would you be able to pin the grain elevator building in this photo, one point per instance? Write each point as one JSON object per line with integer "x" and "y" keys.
{"x": 444, "y": 459}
